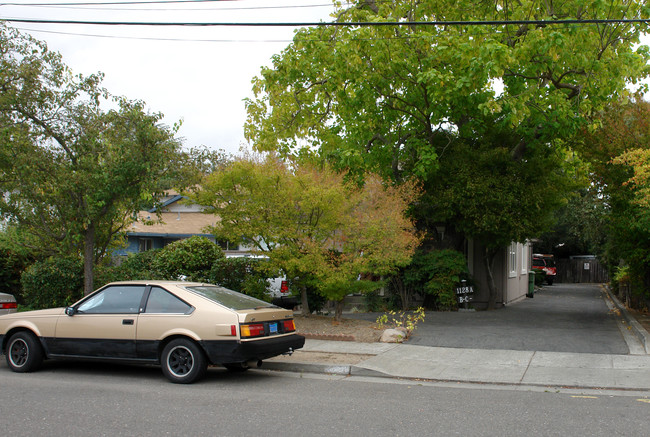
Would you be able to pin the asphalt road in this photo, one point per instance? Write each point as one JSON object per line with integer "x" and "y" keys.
{"x": 67, "y": 399}
{"x": 560, "y": 318}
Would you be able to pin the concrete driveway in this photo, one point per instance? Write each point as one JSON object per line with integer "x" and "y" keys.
{"x": 560, "y": 318}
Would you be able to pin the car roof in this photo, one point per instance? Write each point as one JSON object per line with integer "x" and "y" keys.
{"x": 157, "y": 282}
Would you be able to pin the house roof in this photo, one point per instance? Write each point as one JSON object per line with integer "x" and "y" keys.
{"x": 176, "y": 223}
{"x": 172, "y": 199}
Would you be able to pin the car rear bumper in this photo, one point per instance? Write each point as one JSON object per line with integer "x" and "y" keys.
{"x": 220, "y": 352}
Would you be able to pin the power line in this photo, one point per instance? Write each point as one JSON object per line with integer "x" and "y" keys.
{"x": 115, "y": 3}
{"x": 336, "y": 23}
{"x": 94, "y": 6}
{"x": 144, "y": 38}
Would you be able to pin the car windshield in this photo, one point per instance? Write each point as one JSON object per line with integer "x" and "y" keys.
{"x": 538, "y": 262}
{"x": 229, "y": 298}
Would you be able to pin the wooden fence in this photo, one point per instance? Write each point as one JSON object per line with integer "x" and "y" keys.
{"x": 588, "y": 270}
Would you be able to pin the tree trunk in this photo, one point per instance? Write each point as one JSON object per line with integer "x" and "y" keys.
{"x": 488, "y": 259}
{"x": 338, "y": 311}
{"x": 404, "y": 292}
{"x": 304, "y": 303}
{"x": 89, "y": 259}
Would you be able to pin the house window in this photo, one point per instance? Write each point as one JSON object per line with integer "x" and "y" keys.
{"x": 227, "y": 245}
{"x": 145, "y": 244}
{"x": 524, "y": 258}
{"x": 512, "y": 260}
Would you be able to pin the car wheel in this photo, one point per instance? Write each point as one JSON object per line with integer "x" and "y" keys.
{"x": 549, "y": 281}
{"x": 183, "y": 361}
{"x": 24, "y": 352}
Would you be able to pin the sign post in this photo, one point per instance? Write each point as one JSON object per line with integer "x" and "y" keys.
{"x": 464, "y": 293}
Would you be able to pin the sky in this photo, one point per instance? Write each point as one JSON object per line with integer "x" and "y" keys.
{"x": 200, "y": 75}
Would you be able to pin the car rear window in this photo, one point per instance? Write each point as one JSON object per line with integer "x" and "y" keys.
{"x": 229, "y": 298}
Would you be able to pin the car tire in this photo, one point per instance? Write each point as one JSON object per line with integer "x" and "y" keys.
{"x": 24, "y": 352}
{"x": 549, "y": 281}
{"x": 183, "y": 361}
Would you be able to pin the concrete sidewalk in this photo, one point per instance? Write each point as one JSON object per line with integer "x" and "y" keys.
{"x": 549, "y": 369}
{"x": 496, "y": 365}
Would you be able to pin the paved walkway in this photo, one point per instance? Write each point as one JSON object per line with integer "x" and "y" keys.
{"x": 575, "y": 316}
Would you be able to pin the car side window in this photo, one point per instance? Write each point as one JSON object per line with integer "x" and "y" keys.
{"x": 117, "y": 299}
{"x": 163, "y": 302}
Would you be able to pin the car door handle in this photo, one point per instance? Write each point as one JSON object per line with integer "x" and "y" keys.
{"x": 127, "y": 322}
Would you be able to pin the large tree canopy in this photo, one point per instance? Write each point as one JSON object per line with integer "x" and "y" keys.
{"x": 72, "y": 173}
{"x": 388, "y": 98}
{"x": 491, "y": 102}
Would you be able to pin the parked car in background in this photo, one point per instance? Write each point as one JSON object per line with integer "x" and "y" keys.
{"x": 546, "y": 263}
{"x": 182, "y": 326}
{"x": 7, "y": 303}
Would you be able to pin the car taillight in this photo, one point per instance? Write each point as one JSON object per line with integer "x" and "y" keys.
{"x": 284, "y": 287}
{"x": 289, "y": 326}
{"x": 8, "y": 305}
{"x": 254, "y": 330}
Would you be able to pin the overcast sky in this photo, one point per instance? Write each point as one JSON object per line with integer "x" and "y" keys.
{"x": 198, "y": 74}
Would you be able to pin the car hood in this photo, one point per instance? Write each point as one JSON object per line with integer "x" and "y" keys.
{"x": 36, "y": 313}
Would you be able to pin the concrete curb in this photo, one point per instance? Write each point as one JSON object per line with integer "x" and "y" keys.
{"x": 353, "y": 370}
{"x": 327, "y": 369}
{"x": 638, "y": 330}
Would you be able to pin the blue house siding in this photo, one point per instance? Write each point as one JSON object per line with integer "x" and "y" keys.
{"x": 158, "y": 241}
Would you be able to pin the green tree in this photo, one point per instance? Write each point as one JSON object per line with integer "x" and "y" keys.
{"x": 401, "y": 100}
{"x": 484, "y": 194}
{"x": 322, "y": 231}
{"x": 388, "y": 98}
{"x": 616, "y": 153}
{"x": 72, "y": 173}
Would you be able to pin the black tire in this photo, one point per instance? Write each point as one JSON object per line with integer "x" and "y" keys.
{"x": 549, "y": 281}
{"x": 183, "y": 361}
{"x": 24, "y": 352}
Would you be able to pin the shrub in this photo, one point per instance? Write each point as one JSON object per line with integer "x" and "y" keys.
{"x": 190, "y": 259}
{"x": 246, "y": 275}
{"x": 135, "y": 266}
{"x": 55, "y": 282}
{"x": 12, "y": 265}
{"x": 437, "y": 273}
{"x": 408, "y": 320}
{"x": 374, "y": 302}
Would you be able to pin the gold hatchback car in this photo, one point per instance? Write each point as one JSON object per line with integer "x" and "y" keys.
{"x": 182, "y": 326}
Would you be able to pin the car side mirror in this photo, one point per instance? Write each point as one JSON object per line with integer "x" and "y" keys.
{"x": 70, "y": 311}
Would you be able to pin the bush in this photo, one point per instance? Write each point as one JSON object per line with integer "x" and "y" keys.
{"x": 374, "y": 302}
{"x": 12, "y": 265}
{"x": 246, "y": 275}
{"x": 189, "y": 259}
{"x": 55, "y": 282}
{"x": 135, "y": 266}
{"x": 437, "y": 273}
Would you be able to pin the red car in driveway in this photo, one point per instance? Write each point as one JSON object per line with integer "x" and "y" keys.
{"x": 546, "y": 263}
